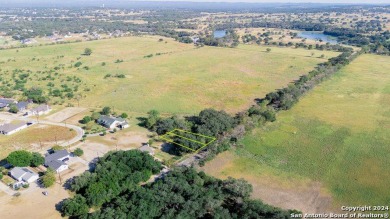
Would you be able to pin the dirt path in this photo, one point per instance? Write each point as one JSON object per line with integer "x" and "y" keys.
{"x": 33, "y": 204}
{"x": 64, "y": 114}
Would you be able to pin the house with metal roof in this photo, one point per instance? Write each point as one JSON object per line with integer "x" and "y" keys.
{"x": 22, "y": 174}
{"x": 58, "y": 160}
{"x": 21, "y": 106}
{"x": 11, "y": 128}
{"x": 112, "y": 122}
{"x": 146, "y": 148}
{"x": 40, "y": 110}
{"x": 4, "y": 102}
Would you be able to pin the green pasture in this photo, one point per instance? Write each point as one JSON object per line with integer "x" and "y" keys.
{"x": 178, "y": 78}
{"x": 338, "y": 134}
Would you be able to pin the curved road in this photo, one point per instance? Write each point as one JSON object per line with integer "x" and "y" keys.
{"x": 79, "y": 130}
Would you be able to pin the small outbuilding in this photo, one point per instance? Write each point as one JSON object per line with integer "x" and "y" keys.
{"x": 22, "y": 174}
{"x": 146, "y": 148}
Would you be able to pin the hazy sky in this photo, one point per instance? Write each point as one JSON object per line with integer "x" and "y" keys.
{"x": 291, "y": 1}
{"x": 258, "y": 1}
{"x": 31, "y": 3}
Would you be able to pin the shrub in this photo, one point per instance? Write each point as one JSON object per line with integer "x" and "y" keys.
{"x": 49, "y": 178}
{"x": 78, "y": 152}
{"x": 77, "y": 64}
{"x": 57, "y": 148}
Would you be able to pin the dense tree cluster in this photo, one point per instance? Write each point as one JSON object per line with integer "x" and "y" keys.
{"x": 182, "y": 193}
{"x": 209, "y": 122}
{"x": 285, "y": 98}
{"x": 23, "y": 158}
{"x": 115, "y": 173}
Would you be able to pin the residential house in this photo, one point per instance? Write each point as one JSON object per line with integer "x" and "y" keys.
{"x": 22, "y": 106}
{"x": 146, "y": 148}
{"x": 57, "y": 160}
{"x": 22, "y": 174}
{"x": 10, "y": 128}
{"x": 40, "y": 110}
{"x": 6, "y": 102}
{"x": 112, "y": 122}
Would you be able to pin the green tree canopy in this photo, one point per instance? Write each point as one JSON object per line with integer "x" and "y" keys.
{"x": 37, "y": 159}
{"x": 19, "y": 158}
{"x": 75, "y": 206}
{"x": 106, "y": 111}
{"x": 13, "y": 109}
{"x": 87, "y": 51}
{"x": 49, "y": 178}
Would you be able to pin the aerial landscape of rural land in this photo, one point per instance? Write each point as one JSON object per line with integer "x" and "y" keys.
{"x": 194, "y": 109}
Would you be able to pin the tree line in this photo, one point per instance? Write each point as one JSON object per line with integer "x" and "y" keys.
{"x": 229, "y": 129}
{"x": 113, "y": 189}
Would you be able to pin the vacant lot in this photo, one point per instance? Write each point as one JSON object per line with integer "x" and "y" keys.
{"x": 35, "y": 138}
{"x": 64, "y": 114}
{"x": 338, "y": 136}
{"x": 178, "y": 78}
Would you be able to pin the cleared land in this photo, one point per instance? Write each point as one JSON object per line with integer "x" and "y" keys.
{"x": 336, "y": 136}
{"x": 178, "y": 78}
{"x": 35, "y": 138}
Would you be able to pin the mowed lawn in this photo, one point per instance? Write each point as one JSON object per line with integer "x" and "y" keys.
{"x": 179, "y": 78}
{"x": 339, "y": 135}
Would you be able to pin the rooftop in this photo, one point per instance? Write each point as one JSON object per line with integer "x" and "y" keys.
{"x": 56, "y": 156}
{"x": 11, "y": 127}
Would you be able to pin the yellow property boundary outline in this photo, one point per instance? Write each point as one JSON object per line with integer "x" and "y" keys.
{"x": 165, "y": 137}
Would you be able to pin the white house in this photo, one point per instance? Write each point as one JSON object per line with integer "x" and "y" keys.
{"x": 40, "y": 110}
{"x": 9, "y": 129}
{"x": 57, "y": 160}
{"x": 112, "y": 122}
{"x": 22, "y": 174}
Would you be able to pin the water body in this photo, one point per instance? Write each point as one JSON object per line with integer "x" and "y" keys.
{"x": 219, "y": 33}
{"x": 317, "y": 35}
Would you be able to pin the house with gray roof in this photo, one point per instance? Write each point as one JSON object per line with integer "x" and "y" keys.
{"x": 22, "y": 174}
{"x": 112, "y": 122}
{"x": 58, "y": 160}
{"x": 11, "y": 128}
{"x": 4, "y": 102}
{"x": 40, "y": 110}
{"x": 146, "y": 148}
{"x": 22, "y": 106}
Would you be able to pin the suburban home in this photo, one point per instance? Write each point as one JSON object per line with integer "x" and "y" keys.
{"x": 58, "y": 160}
{"x": 147, "y": 148}
{"x": 40, "y": 110}
{"x": 112, "y": 122}
{"x": 22, "y": 174}
{"x": 22, "y": 106}
{"x": 10, "y": 128}
{"x": 6, "y": 102}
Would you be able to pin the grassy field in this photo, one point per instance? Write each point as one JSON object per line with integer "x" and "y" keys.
{"x": 337, "y": 135}
{"x": 31, "y": 138}
{"x": 179, "y": 78}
